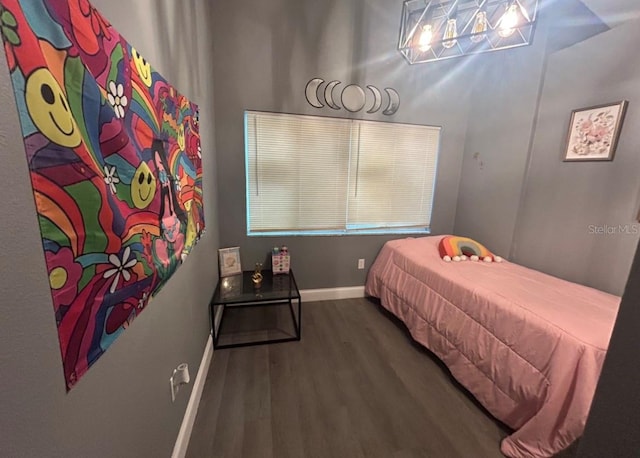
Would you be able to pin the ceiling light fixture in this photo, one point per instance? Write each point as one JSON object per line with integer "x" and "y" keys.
{"x": 436, "y": 30}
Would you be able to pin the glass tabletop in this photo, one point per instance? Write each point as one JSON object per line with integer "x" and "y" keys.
{"x": 240, "y": 288}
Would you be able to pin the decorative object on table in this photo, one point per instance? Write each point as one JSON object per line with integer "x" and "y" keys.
{"x": 594, "y": 132}
{"x": 437, "y": 30}
{"x": 114, "y": 161}
{"x": 352, "y": 97}
{"x": 229, "y": 261}
{"x": 257, "y": 275}
{"x": 280, "y": 260}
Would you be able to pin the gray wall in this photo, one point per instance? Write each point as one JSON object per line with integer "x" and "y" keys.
{"x": 122, "y": 406}
{"x": 497, "y": 143}
{"x": 516, "y": 194}
{"x": 563, "y": 200}
{"x": 266, "y": 52}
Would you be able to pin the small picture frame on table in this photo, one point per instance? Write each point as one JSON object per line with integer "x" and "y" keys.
{"x": 594, "y": 132}
{"x": 229, "y": 261}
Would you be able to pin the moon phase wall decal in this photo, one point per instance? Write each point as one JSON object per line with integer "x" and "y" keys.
{"x": 394, "y": 101}
{"x": 311, "y": 92}
{"x": 377, "y": 99}
{"x": 352, "y": 97}
{"x": 328, "y": 95}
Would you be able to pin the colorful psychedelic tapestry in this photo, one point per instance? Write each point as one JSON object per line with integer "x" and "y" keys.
{"x": 115, "y": 164}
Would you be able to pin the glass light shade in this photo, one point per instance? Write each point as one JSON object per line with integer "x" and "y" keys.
{"x": 479, "y": 27}
{"x": 450, "y": 34}
{"x": 424, "y": 42}
{"x": 509, "y": 21}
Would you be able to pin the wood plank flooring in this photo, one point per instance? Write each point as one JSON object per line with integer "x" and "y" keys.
{"x": 356, "y": 385}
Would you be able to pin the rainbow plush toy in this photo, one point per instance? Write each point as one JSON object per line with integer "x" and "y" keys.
{"x": 453, "y": 248}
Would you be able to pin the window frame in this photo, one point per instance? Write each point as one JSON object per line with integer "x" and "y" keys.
{"x": 349, "y": 230}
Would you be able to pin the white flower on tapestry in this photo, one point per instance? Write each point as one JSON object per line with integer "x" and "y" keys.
{"x": 117, "y": 99}
{"x": 142, "y": 302}
{"x": 110, "y": 177}
{"x": 199, "y": 151}
{"x": 594, "y": 133}
{"x": 120, "y": 267}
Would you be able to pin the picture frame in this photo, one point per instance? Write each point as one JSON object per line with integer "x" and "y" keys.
{"x": 229, "y": 259}
{"x": 594, "y": 132}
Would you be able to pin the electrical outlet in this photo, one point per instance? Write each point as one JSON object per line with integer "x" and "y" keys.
{"x": 360, "y": 264}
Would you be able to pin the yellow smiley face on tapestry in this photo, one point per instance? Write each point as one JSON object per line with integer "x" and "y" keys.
{"x": 143, "y": 186}
{"x": 143, "y": 67}
{"x": 49, "y": 109}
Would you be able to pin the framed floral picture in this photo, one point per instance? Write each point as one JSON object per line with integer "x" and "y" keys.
{"x": 594, "y": 132}
{"x": 229, "y": 261}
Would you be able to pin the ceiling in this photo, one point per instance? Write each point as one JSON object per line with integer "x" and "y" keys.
{"x": 571, "y": 22}
{"x": 614, "y": 12}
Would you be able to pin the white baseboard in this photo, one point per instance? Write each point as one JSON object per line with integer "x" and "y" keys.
{"x": 182, "y": 442}
{"x": 330, "y": 294}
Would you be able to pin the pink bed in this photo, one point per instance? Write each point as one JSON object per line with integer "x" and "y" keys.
{"x": 529, "y": 346}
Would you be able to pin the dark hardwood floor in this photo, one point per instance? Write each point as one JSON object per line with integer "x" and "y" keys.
{"x": 355, "y": 386}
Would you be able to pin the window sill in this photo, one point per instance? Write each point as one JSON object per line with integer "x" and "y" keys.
{"x": 340, "y": 233}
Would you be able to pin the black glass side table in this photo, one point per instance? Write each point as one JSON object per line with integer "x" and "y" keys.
{"x": 242, "y": 314}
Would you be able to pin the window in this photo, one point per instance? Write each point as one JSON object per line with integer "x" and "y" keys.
{"x": 314, "y": 175}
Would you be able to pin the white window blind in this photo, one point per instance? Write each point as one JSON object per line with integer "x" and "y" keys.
{"x": 309, "y": 174}
{"x": 297, "y": 172}
{"x": 395, "y": 171}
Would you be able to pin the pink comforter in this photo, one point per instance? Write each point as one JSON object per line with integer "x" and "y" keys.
{"x": 529, "y": 346}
